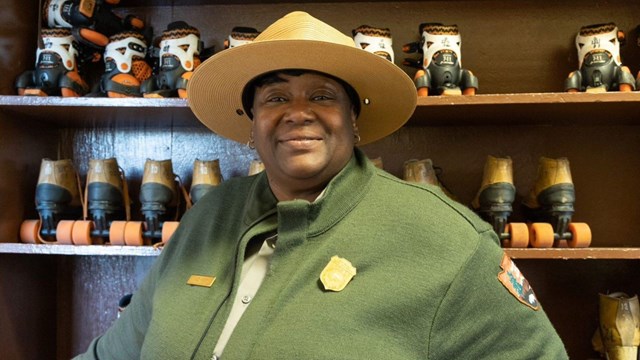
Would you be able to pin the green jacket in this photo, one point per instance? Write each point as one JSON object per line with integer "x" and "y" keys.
{"x": 426, "y": 285}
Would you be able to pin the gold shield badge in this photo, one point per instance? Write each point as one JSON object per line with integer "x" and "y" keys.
{"x": 337, "y": 274}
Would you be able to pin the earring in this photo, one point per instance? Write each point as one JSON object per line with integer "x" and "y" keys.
{"x": 356, "y": 136}
{"x": 250, "y": 144}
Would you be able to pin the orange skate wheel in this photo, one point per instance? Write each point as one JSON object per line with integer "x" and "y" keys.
{"x": 116, "y": 232}
{"x": 168, "y": 228}
{"x": 30, "y": 231}
{"x": 133, "y": 233}
{"x": 580, "y": 235}
{"x": 81, "y": 232}
{"x": 64, "y": 232}
{"x": 518, "y": 236}
{"x": 541, "y": 235}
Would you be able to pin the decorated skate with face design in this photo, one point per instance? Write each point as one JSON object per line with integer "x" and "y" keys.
{"x": 377, "y": 41}
{"x": 125, "y": 65}
{"x": 91, "y": 22}
{"x": 240, "y": 35}
{"x": 179, "y": 55}
{"x": 441, "y": 71}
{"x": 599, "y": 62}
{"x": 56, "y": 70}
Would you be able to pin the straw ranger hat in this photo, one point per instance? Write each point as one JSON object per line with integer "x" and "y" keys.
{"x": 300, "y": 41}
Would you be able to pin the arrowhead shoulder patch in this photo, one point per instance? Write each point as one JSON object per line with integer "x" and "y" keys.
{"x": 518, "y": 286}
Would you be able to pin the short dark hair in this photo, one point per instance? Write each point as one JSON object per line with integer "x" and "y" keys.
{"x": 274, "y": 77}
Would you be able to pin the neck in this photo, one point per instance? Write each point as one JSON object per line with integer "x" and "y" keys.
{"x": 289, "y": 193}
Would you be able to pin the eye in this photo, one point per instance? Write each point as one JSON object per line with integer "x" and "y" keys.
{"x": 276, "y": 99}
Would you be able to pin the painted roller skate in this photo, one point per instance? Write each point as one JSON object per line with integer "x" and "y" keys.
{"x": 58, "y": 197}
{"x": 423, "y": 172}
{"x": 91, "y": 22}
{"x": 441, "y": 71}
{"x": 178, "y": 57}
{"x": 377, "y": 162}
{"x": 106, "y": 199}
{"x": 549, "y": 205}
{"x": 618, "y": 333}
{"x": 255, "y": 167}
{"x": 377, "y": 41}
{"x": 125, "y": 65}
{"x": 494, "y": 202}
{"x": 56, "y": 71}
{"x": 599, "y": 63}
{"x": 160, "y": 205}
{"x": 206, "y": 176}
{"x": 240, "y": 35}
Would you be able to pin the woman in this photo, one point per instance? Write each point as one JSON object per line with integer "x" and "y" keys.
{"x": 323, "y": 256}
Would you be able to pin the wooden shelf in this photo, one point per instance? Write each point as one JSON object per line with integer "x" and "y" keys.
{"x": 52, "y": 249}
{"x": 613, "y": 108}
{"x": 575, "y": 254}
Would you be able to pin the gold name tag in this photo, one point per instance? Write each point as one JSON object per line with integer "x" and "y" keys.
{"x": 200, "y": 280}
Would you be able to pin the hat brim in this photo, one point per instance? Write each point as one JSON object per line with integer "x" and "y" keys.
{"x": 214, "y": 91}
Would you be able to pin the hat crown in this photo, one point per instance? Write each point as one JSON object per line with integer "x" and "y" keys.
{"x": 299, "y": 25}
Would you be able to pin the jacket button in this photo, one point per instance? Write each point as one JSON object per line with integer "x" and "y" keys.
{"x": 246, "y": 299}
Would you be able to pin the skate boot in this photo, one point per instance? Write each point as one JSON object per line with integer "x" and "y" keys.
{"x": 618, "y": 334}
{"x": 423, "y": 172}
{"x": 255, "y": 167}
{"x": 377, "y": 162}
{"x": 57, "y": 197}
{"x": 106, "y": 199}
{"x": 599, "y": 63}
{"x": 206, "y": 175}
{"x": 440, "y": 68}
{"x": 377, "y": 41}
{"x": 180, "y": 48}
{"x": 549, "y": 205}
{"x": 125, "y": 66}
{"x": 240, "y": 35}
{"x": 56, "y": 71}
{"x": 494, "y": 202}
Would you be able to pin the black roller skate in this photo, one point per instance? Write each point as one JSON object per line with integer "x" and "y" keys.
{"x": 600, "y": 66}
{"x": 494, "y": 202}
{"x": 206, "y": 175}
{"x": 56, "y": 72}
{"x": 58, "y": 197}
{"x": 441, "y": 71}
{"x": 549, "y": 205}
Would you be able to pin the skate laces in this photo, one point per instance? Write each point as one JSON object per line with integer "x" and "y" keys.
{"x": 133, "y": 47}
{"x": 176, "y": 47}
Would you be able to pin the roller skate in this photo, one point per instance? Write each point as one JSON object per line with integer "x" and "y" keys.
{"x": 160, "y": 206}
{"x": 240, "y": 35}
{"x": 423, "y": 172}
{"x": 377, "y": 162}
{"x": 494, "y": 202}
{"x": 377, "y": 41}
{"x": 440, "y": 68}
{"x": 56, "y": 71}
{"x": 206, "y": 175}
{"x": 125, "y": 66}
{"x": 618, "y": 333}
{"x": 58, "y": 197}
{"x": 180, "y": 48}
{"x": 255, "y": 167}
{"x": 106, "y": 199}
{"x": 599, "y": 63}
{"x": 549, "y": 205}
{"x": 91, "y": 22}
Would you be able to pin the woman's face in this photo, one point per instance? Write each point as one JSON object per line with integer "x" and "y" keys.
{"x": 303, "y": 129}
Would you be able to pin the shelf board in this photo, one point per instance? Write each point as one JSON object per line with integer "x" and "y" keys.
{"x": 100, "y": 250}
{"x": 593, "y": 253}
{"x": 113, "y": 250}
{"x": 612, "y": 108}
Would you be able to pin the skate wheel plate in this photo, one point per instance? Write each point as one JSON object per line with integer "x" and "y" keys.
{"x": 168, "y": 228}
{"x": 541, "y": 235}
{"x": 64, "y": 232}
{"x": 30, "y": 231}
{"x": 518, "y": 236}
{"x": 81, "y": 232}
{"x": 580, "y": 235}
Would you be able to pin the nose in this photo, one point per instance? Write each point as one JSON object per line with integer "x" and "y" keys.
{"x": 299, "y": 112}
